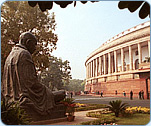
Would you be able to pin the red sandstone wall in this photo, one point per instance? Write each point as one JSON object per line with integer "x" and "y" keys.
{"x": 109, "y": 88}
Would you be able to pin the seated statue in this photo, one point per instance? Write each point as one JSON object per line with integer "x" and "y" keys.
{"x": 20, "y": 82}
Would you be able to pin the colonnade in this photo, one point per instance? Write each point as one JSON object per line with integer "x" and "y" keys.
{"x": 107, "y": 63}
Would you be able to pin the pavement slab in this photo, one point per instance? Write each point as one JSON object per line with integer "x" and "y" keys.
{"x": 79, "y": 118}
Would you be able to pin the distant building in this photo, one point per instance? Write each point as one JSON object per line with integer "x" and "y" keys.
{"x": 122, "y": 63}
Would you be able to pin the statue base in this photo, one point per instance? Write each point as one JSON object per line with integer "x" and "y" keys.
{"x": 57, "y": 112}
{"x": 48, "y": 122}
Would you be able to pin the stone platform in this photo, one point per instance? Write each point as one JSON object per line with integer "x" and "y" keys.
{"x": 47, "y": 122}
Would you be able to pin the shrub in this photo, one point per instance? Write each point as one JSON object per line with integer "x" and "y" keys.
{"x": 117, "y": 107}
{"x": 100, "y": 121}
{"x": 93, "y": 114}
{"x": 12, "y": 114}
{"x": 126, "y": 113}
{"x": 90, "y": 107}
{"x": 103, "y": 118}
{"x": 86, "y": 123}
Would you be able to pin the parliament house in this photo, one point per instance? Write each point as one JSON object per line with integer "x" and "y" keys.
{"x": 121, "y": 64}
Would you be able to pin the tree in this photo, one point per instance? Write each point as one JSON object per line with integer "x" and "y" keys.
{"x": 18, "y": 17}
{"x": 58, "y": 73}
{"x": 132, "y": 6}
{"x": 117, "y": 107}
{"x": 75, "y": 85}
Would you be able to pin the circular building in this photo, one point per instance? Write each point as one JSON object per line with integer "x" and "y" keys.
{"x": 122, "y": 64}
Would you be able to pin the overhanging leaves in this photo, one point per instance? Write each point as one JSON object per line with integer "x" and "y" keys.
{"x": 132, "y": 6}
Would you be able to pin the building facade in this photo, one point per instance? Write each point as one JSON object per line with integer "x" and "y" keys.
{"x": 121, "y": 64}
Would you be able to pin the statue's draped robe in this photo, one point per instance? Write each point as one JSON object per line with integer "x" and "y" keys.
{"x": 20, "y": 82}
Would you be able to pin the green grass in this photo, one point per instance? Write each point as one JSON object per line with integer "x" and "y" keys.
{"x": 135, "y": 119}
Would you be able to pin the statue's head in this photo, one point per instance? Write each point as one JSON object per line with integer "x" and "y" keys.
{"x": 28, "y": 40}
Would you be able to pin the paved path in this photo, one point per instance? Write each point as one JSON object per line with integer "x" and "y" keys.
{"x": 106, "y": 100}
{"x": 79, "y": 118}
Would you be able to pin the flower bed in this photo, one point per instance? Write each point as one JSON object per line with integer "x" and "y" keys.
{"x": 80, "y": 105}
{"x": 98, "y": 114}
{"x": 85, "y": 107}
{"x": 138, "y": 110}
{"x": 101, "y": 121}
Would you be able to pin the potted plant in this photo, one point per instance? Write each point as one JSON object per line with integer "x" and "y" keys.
{"x": 70, "y": 108}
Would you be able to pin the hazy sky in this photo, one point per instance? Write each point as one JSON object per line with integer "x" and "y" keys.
{"x": 84, "y": 28}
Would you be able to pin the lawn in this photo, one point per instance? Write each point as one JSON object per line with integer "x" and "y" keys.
{"x": 135, "y": 119}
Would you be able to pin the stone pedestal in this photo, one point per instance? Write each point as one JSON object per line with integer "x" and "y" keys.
{"x": 57, "y": 112}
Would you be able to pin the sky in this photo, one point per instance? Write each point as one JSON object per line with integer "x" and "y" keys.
{"x": 84, "y": 28}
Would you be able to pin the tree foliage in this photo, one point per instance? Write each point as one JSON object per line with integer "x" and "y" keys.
{"x": 18, "y": 17}
{"x": 58, "y": 73}
{"x": 75, "y": 85}
{"x": 132, "y": 6}
{"x": 43, "y": 5}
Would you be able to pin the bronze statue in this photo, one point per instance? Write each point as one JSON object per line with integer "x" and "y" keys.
{"x": 20, "y": 82}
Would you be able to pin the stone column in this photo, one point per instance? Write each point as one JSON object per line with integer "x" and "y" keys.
{"x": 130, "y": 58}
{"x": 96, "y": 70}
{"x": 88, "y": 70}
{"x": 122, "y": 58}
{"x": 139, "y": 53}
{"x": 93, "y": 68}
{"x": 100, "y": 64}
{"x": 115, "y": 61}
{"x": 149, "y": 48}
{"x": 104, "y": 59}
{"x": 109, "y": 63}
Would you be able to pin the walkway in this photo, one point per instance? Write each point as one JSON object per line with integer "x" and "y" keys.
{"x": 79, "y": 118}
{"x": 105, "y": 100}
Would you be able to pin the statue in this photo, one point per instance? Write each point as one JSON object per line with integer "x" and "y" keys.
{"x": 20, "y": 82}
